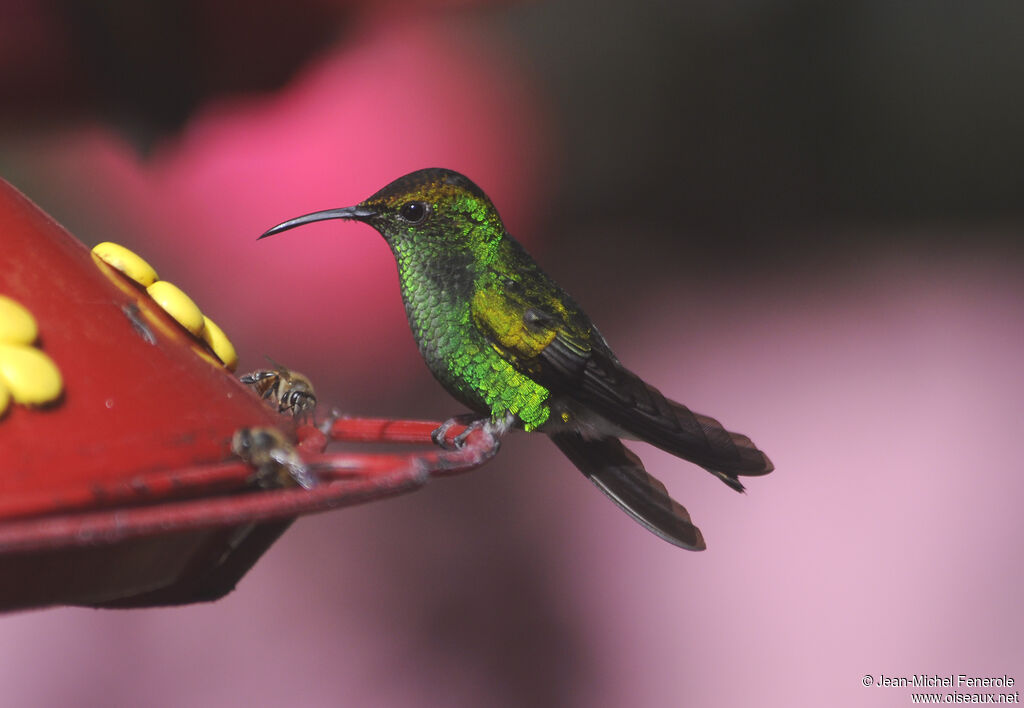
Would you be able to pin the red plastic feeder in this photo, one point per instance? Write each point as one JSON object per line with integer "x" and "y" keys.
{"x": 124, "y": 491}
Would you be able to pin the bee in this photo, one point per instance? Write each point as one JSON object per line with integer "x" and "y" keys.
{"x": 274, "y": 460}
{"x": 289, "y": 390}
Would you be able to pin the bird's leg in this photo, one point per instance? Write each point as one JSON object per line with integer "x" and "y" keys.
{"x": 497, "y": 427}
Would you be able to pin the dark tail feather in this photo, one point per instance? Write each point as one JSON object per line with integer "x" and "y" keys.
{"x": 619, "y": 473}
{"x": 629, "y": 402}
{"x": 740, "y": 455}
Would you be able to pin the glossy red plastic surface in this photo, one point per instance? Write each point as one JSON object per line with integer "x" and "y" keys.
{"x": 345, "y": 478}
{"x": 135, "y": 418}
{"x": 124, "y": 491}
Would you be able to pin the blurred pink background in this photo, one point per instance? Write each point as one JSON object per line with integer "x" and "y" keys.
{"x": 866, "y": 334}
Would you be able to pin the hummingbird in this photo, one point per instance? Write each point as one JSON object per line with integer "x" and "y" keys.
{"x": 505, "y": 340}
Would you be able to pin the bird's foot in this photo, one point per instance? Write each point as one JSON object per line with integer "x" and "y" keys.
{"x": 440, "y": 434}
{"x": 494, "y": 428}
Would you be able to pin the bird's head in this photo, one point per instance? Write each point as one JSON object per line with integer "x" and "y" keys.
{"x": 432, "y": 206}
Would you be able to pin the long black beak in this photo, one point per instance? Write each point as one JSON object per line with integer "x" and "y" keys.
{"x": 353, "y": 212}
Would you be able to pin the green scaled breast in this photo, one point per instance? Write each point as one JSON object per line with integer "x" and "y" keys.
{"x": 440, "y": 295}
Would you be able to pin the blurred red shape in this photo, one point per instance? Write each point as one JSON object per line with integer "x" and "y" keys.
{"x": 125, "y": 491}
{"x": 396, "y": 96}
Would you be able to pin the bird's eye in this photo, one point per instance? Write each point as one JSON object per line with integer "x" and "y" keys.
{"x": 414, "y": 212}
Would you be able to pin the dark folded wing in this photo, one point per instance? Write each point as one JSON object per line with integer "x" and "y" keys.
{"x": 544, "y": 334}
{"x": 603, "y": 385}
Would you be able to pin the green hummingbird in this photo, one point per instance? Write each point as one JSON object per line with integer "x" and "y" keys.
{"x": 504, "y": 339}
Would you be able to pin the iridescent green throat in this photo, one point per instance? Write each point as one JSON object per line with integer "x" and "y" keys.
{"x": 438, "y": 284}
